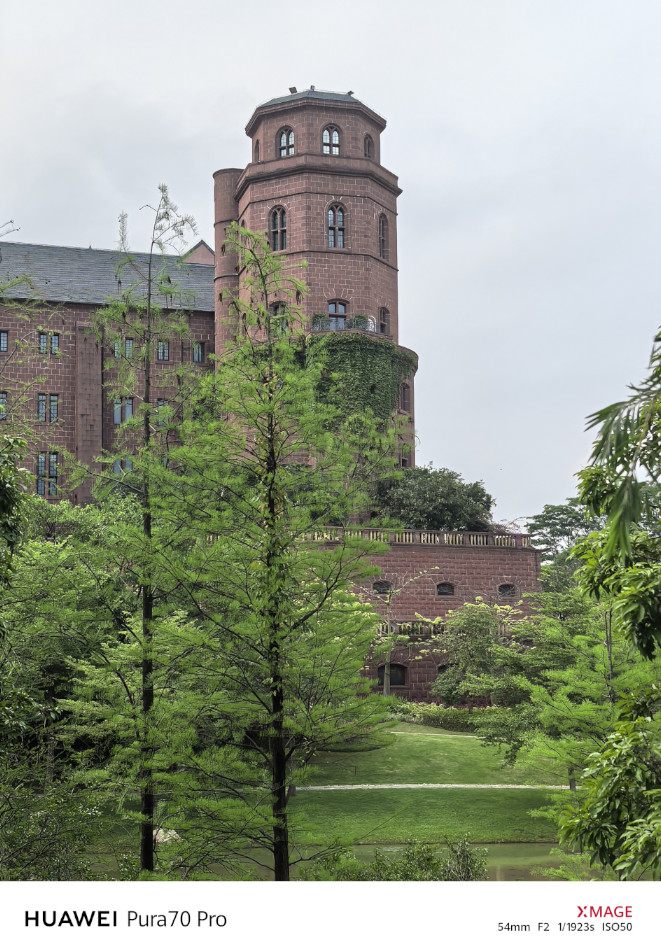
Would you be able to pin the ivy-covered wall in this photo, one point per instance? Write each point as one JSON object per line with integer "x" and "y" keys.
{"x": 370, "y": 369}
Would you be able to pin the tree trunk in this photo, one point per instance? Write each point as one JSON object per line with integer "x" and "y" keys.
{"x": 572, "y": 780}
{"x": 386, "y": 677}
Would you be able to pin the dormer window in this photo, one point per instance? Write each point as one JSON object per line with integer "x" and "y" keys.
{"x": 285, "y": 142}
{"x": 330, "y": 140}
{"x": 278, "y": 229}
{"x": 336, "y": 217}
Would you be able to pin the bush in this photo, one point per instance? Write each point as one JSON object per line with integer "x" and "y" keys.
{"x": 448, "y": 718}
{"x": 416, "y": 863}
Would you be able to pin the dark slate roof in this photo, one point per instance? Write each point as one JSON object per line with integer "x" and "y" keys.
{"x": 318, "y": 95}
{"x": 88, "y": 276}
{"x": 312, "y": 94}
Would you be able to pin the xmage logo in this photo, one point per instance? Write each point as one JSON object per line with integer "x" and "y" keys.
{"x": 605, "y": 911}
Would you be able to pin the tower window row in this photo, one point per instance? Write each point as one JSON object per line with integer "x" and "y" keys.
{"x": 331, "y": 143}
{"x": 335, "y": 229}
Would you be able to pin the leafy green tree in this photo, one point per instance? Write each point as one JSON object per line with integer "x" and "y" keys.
{"x": 142, "y": 448}
{"x": 431, "y": 499}
{"x": 268, "y": 584}
{"x": 620, "y": 817}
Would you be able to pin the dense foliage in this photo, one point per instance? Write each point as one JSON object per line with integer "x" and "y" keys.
{"x": 431, "y": 499}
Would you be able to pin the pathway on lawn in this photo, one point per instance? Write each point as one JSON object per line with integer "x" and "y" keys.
{"x": 430, "y": 786}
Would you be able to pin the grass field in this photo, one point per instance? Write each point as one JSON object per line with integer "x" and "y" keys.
{"x": 391, "y": 816}
{"x": 422, "y": 754}
{"x": 417, "y": 754}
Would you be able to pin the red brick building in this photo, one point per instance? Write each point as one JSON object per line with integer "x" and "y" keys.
{"x": 316, "y": 186}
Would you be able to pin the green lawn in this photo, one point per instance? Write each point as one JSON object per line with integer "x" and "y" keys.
{"x": 422, "y": 754}
{"x": 395, "y": 815}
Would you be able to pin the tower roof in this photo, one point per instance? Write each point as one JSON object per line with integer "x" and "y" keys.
{"x": 312, "y": 95}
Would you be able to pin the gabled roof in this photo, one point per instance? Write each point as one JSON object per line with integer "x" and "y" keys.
{"x": 90, "y": 276}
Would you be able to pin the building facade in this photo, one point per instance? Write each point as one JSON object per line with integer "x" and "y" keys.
{"x": 315, "y": 184}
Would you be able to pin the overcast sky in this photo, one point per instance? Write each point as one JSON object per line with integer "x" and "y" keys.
{"x": 526, "y": 136}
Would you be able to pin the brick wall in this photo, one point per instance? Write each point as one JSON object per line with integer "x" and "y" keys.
{"x": 473, "y": 570}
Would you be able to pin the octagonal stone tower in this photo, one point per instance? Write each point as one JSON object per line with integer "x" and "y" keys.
{"x": 316, "y": 186}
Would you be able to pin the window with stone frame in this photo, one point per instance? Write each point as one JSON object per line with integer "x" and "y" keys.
{"x": 257, "y": 150}
{"x": 381, "y": 587}
{"x": 383, "y": 237}
{"x": 384, "y": 320}
{"x": 163, "y": 350}
{"x": 278, "y": 229}
{"x": 506, "y": 591}
{"x": 337, "y": 312}
{"x": 336, "y": 222}
{"x": 445, "y": 589}
{"x": 4, "y": 341}
{"x": 47, "y": 474}
{"x": 369, "y": 147}
{"x": 405, "y": 398}
{"x": 285, "y": 142}
{"x": 330, "y": 140}
{"x": 3, "y": 405}
{"x": 198, "y": 351}
{"x": 397, "y": 675}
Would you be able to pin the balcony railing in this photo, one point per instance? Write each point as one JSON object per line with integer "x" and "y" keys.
{"x": 359, "y": 322}
{"x": 408, "y": 536}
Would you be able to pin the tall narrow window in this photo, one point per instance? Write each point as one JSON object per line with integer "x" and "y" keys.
{"x": 330, "y": 140}
{"x": 384, "y": 320}
{"x": 52, "y": 474}
{"x": 278, "y": 229}
{"x": 383, "y": 237}
{"x": 279, "y": 311}
{"x": 43, "y": 343}
{"x": 117, "y": 349}
{"x": 198, "y": 352}
{"x": 117, "y": 412}
{"x": 52, "y": 409}
{"x": 405, "y": 398}
{"x": 336, "y": 217}
{"x": 257, "y": 150}
{"x": 41, "y": 473}
{"x": 54, "y": 343}
{"x": 285, "y": 142}
{"x": 369, "y": 147}
{"x": 128, "y": 408}
{"x": 3, "y": 406}
{"x": 163, "y": 351}
{"x": 162, "y": 409}
{"x": 4, "y": 341}
{"x": 128, "y": 348}
{"x": 337, "y": 310}
{"x": 41, "y": 407}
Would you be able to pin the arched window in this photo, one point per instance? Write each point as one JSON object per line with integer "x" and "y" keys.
{"x": 337, "y": 311}
{"x": 278, "y": 229}
{"x": 336, "y": 216}
{"x": 383, "y": 237}
{"x": 381, "y": 587}
{"x": 506, "y": 591}
{"x": 445, "y": 590}
{"x": 405, "y": 398}
{"x": 330, "y": 140}
{"x": 257, "y": 150}
{"x": 397, "y": 675}
{"x": 285, "y": 142}
{"x": 369, "y": 147}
